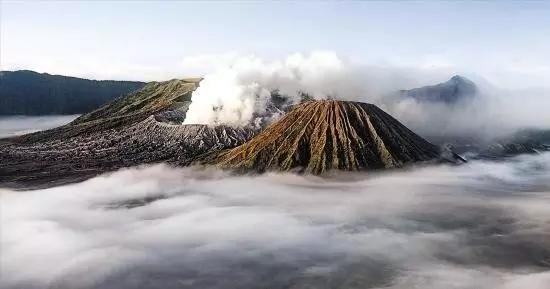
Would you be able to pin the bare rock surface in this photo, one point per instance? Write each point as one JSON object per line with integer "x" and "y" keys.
{"x": 57, "y": 161}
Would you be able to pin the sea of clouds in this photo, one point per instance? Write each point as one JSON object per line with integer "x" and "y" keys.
{"x": 23, "y": 124}
{"x": 478, "y": 225}
{"x": 236, "y": 91}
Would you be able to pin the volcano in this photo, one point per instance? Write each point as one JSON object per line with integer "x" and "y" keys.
{"x": 317, "y": 136}
{"x": 142, "y": 127}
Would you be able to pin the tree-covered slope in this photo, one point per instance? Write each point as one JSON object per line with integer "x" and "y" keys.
{"x": 31, "y": 93}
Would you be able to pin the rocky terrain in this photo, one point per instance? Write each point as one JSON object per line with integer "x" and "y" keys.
{"x": 57, "y": 160}
{"x": 317, "y": 136}
{"x": 133, "y": 130}
{"x": 156, "y": 98}
{"x": 153, "y": 98}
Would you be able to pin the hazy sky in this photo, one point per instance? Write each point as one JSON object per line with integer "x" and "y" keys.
{"x": 508, "y": 43}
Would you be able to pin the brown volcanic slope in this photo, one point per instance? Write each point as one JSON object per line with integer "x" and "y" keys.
{"x": 153, "y": 99}
{"x": 140, "y": 128}
{"x": 321, "y": 135}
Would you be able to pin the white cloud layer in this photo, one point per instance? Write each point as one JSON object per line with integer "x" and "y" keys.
{"x": 480, "y": 225}
{"x": 18, "y": 125}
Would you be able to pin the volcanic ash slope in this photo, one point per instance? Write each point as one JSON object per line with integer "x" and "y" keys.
{"x": 140, "y": 128}
{"x": 318, "y": 136}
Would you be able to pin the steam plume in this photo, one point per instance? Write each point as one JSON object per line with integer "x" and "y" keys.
{"x": 238, "y": 92}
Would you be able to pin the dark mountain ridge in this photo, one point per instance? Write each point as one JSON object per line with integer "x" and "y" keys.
{"x": 26, "y": 92}
{"x": 455, "y": 89}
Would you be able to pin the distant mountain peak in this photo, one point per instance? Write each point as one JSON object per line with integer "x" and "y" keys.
{"x": 455, "y": 89}
{"x": 459, "y": 78}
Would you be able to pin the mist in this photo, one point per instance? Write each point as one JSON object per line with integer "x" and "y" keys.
{"x": 18, "y": 125}
{"x": 479, "y": 225}
{"x": 492, "y": 113}
{"x": 237, "y": 92}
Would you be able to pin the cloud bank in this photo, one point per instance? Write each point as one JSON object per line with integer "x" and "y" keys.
{"x": 480, "y": 225}
{"x": 18, "y": 125}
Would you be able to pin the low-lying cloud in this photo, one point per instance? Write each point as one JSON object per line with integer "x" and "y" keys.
{"x": 491, "y": 114}
{"x": 479, "y": 225}
{"x": 18, "y": 125}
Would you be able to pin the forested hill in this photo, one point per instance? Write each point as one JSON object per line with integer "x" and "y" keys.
{"x": 31, "y": 93}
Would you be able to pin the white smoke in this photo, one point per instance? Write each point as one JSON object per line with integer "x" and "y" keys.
{"x": 234, "y": 94}
{"x": 237, "y": 91}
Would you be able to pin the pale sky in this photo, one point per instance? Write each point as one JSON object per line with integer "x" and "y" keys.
{"x": 508, "y": 43}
